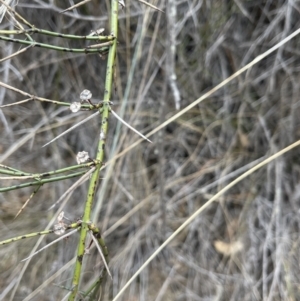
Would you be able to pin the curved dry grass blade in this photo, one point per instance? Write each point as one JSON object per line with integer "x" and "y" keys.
{"x": 201, "y": 209}
{"x": 50, "y": 244}
{"x": 129, "y": 126}
{"x": 72, "y": 128}
{"x": 209, "y": 93}
{"x": 101, "y": 253}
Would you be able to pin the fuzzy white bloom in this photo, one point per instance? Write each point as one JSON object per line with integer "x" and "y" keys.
{"x": 97, "y": 32}
{"x": 75, "y": 106}
{"x": 85, "y": 95}
{"x": 3, "y": 8}
{"x": 82, "y": 157}
{"x": 60, "y": 227}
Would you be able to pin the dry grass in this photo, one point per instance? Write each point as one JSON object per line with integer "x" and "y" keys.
{"x": 245, "y": 246}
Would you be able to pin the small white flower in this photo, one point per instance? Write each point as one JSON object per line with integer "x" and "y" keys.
{"x": 82, "y": 157}
{"x": 59, "y": 228}
{"x": 75, "y": 106}
{"x": 85, "y": 95}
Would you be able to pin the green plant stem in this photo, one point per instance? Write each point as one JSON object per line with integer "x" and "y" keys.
{"x": 10, "y": 240}
{"x": 34, "y": 97}
{"x": 100, "y": 152}
{"x": 11, "y": 171}
{"x": 41, "y": 182}
{"x": 57, "y": 48}
{"x": 101, "y": 242}
{"x": 93, "y": 289}
{"x": 57, "y": 34}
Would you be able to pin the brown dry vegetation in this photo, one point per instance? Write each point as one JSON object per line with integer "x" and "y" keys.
{"x": 245, "y": 246}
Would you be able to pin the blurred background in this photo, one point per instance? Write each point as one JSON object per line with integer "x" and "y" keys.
{"x": 245, "y": 246}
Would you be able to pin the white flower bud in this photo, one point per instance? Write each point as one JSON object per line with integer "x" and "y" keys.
{"x": 85, "y": 95}
{"x": 59, "y": 229}
{"x": 75, "y": 106}
{"x": 82, "y": 157}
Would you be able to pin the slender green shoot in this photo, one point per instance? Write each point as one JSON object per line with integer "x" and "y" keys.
{"x": 41, "y": 182}
{"x": 101, "y": 48}
{"x": 100, "y": 153}
{"x": 59, "y": 35}
{"x": 24, "y": 175}
{"x": 41, "y": 99}
{"x": 30, "y": 235}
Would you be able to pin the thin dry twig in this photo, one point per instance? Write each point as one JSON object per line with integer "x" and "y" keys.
{"x": 16, "y": 103}
{"x": 101, "y": 253}
{"x": 16, "y": 53}
{"x": 151, "y": 5}
{"x": 75, "y": 6}
{"x": 50, "y": 244}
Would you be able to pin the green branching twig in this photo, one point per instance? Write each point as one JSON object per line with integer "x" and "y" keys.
{"x": 10, "y": 170}
{"x": 57, "y": 48}
{"x": 59, "y": 35}
{"x": 41, "y": 182}
{"x": 10, "y": 240}
{"x": 34, "y": 97}
{"x": 14, "y": 172}
{"x": 100, "y": 152}
{"x": 100, "y": 240}
{"x": 93, "y": 289}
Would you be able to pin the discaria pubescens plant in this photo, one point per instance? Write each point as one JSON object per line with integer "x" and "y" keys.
{"x": 241, "y": 57}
